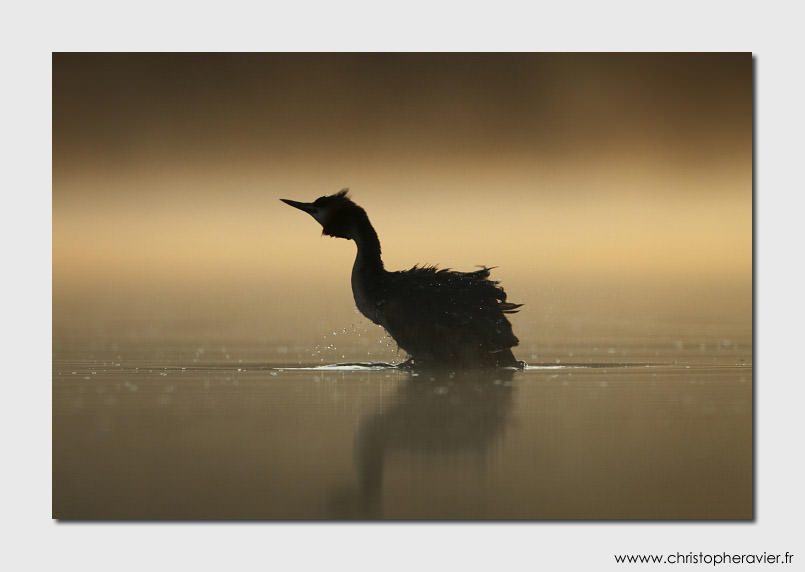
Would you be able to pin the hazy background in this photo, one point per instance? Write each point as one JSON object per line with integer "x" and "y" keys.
{"x": 613, "y": 191}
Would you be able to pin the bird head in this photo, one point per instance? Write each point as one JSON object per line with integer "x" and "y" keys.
{"x": 335, "y": 213}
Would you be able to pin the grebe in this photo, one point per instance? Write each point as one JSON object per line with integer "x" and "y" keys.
{"x": 438, "y": 316}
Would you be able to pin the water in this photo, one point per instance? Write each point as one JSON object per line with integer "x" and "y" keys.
{"x": 627, "y": 425}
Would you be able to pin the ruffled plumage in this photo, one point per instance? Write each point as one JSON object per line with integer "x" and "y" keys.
{"x": 438, "y": 316}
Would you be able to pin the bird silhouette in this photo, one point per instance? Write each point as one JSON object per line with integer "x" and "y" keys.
{"x": 440, "y": 317}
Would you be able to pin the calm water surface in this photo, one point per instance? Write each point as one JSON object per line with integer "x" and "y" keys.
{"x": 616, "y": 427}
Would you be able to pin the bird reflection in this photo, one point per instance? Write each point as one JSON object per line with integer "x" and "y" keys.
{"x": 434, "y": 414}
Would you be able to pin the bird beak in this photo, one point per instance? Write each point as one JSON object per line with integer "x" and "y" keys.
{"x": 307, "y": 207}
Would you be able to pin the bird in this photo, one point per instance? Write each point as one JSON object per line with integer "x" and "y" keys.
{"x": 438, "y": 316}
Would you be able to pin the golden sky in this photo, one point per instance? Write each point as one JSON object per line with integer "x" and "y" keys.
{"x": 623, "y": 171}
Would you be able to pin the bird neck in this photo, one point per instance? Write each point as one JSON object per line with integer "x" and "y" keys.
{"x": 365, "y": 237}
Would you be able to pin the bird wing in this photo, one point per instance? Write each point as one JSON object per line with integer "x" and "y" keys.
{"x": 447, "y": 311}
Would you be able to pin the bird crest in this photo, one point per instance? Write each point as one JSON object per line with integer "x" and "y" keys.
{"x": 336, "y": 213}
